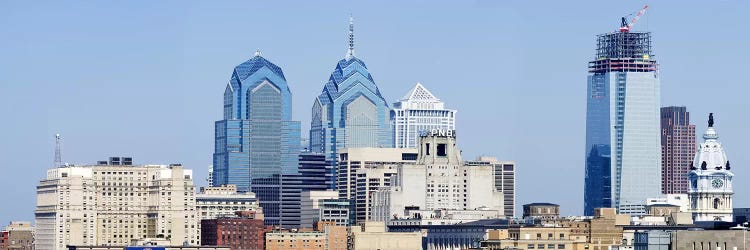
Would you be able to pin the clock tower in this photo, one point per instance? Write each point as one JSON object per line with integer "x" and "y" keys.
{"x": 710, "y": 190}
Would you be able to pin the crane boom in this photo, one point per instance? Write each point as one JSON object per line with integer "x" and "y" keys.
{"x": 625, "y": 27}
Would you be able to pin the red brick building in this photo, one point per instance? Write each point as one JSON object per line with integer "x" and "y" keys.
{"x": 245, "y": 231}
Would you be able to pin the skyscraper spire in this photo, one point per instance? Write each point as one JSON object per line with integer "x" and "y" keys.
{"x": 58, "y": 157}
{"x": 350, "y": 52}
{"x": 257, "y": 52}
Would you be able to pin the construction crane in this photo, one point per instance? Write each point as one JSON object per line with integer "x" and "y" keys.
{"x": 625, "y": 26}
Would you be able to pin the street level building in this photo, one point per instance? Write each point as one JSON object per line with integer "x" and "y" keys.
{"x": 112, "y": 204}
{"x": 677, "y": 149}
{"x": 535, "y": 237}
{"x": 244, "y": 230}
{"x": 324, "y": 236}
{"x": 373, "y": 236}
{"x": 19, "y": 235}
{"x": 419, "y": 110}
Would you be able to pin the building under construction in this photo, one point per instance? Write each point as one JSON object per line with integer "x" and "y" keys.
{"x": 623, "y": 52}
{"x": 623, "y": 155}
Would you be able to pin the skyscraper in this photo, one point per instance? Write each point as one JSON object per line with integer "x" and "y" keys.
{"x": 417, "y": 111}
{"x": 622, "y": 117}
{"x": 677, "y": 149}
{"x": 257, "y": 142}
{"x": 351, "y": 112}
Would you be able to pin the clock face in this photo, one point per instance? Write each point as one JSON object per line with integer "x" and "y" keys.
{"x": 717, "y": 183}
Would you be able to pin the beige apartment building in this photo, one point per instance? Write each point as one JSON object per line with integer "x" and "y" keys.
{"x": 110, "y": 205}
{"x": 224, "y": 200}
{"x": 534, "y": 238}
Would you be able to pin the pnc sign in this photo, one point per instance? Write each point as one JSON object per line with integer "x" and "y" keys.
{"x": 438, "y": 133}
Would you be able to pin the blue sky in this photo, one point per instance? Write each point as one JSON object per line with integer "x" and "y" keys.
{"x": 145, "y": 78}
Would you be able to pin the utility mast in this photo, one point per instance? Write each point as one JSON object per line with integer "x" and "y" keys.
{"x": 58, "y": 157}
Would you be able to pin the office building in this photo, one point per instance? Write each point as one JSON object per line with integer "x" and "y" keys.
{"x": 350, "y": 112}
{"x": 257, "y": 142}
{"x": 114, "y": 204}
{"x": 677, "y": 149}
{"x": 711, "y": 239}
{"x": 224, "y": 200}
{"x": 711, "y": 188}
{"x": 310, "y": 201}
{"x": 316, "y": 172}
{"x": 505, "y": 180}
{"x": 244, "y": 230}
{"x": 438, "y": 180}
{"x": 352, "y": 160}
{"x": 19, "y": 235}
{"x": 419, "y": 110}
{"x": 338, "y": 211}
{"x": 623, "y": 155}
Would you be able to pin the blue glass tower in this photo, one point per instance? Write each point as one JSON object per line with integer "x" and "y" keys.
{"x": 623, "y": 117}
{"x": 350, "y": 112}
{"x": 257, "y": 142}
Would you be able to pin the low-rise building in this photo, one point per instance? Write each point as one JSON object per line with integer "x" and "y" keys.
{"x": 245, "y": 230}
{"x": 373, "y": 236}
{"x": 324, "y": 236}
{"x": 711, "y": 239}
{"x": 535, "y": 237}
{"x": 19, "y": 235}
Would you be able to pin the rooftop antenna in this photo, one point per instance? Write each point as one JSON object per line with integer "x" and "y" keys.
{"x": 350, "y": 52}
{"x": 58, "y": 157}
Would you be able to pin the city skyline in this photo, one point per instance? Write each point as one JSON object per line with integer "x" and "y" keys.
{"x": 78, "y": 101}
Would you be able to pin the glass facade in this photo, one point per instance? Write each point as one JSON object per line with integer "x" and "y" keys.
{"x": 350, "y": 112}
{"x": 257, "y": 142}
{"x": 623, "y": 115}
{"x": 419, "y": 110}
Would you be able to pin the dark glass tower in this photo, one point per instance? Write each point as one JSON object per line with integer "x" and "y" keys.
{"x": 257, "y": 142}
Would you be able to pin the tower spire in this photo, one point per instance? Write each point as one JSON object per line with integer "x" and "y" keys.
{"x": 350, "y": 52}
{"x": 58, "y": 157}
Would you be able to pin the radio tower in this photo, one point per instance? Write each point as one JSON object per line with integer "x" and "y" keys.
{"x": 58, "y": 158}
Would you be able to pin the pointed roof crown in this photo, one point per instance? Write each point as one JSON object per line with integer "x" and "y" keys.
{"x": 419, "y": 98}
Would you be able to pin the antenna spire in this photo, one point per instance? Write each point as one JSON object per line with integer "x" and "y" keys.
{"x": 58, "y": 157}
{"x": 350, "y": 52}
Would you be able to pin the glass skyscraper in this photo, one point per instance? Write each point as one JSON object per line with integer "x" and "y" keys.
{"x": 350, "y": 112}
{"x": 622, "y": 117}
{"x": 257, "y": 142}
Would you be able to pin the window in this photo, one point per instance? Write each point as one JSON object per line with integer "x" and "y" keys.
{"x": 441, "y": 149}
{"x": 560, "y": 246}
{"x": 427, "y": 149}
{"x": 530, "y": 246}
{"x": 540, "y": 246}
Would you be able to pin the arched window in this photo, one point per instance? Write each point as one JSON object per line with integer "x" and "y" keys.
{"x": 716, "y": 203}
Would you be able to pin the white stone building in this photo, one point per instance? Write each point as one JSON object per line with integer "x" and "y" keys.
{"x": 224, "y": 200}
{"x": 417, "y": 111}
{"x": 439, "y": 181}
{"x": 114, "y": 204}
{"x": 310, "y": 205}
{"x": 711, "y": 190}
